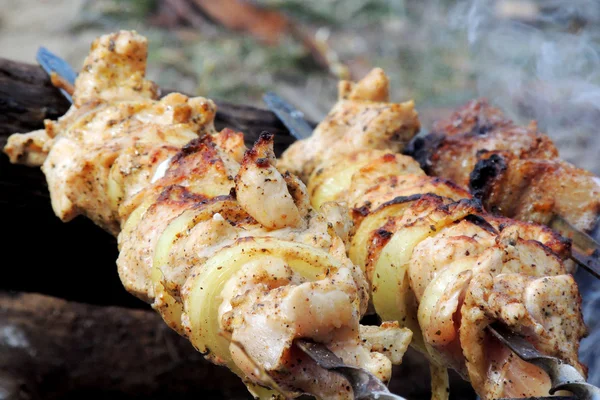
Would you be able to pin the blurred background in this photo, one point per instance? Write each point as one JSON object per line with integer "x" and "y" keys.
{"x": 535, "y": 59}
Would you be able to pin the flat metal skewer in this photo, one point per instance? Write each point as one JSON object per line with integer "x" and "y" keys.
{"x": 364, "y": 384}
{"x": 292, "y": 118}
{"x": 562, "y": 376}
{"x": 585, "y": 250}
{"x": 53, "y": 64}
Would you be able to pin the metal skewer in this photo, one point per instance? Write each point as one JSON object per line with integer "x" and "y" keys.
{"x": 563, "y": 376}
{"x": 585, "y": 250}
{"x": 292, "y": 118}
{"x": 364, "y": 384}
{"x": 53, "y": 64}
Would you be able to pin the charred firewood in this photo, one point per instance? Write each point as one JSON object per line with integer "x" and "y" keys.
{"x": 53, "y": 349}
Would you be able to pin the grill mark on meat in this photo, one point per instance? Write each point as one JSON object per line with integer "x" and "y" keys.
{"x": 481, "y": 222}
{"x": 406, "y": 199}
{"x": 178, "y": 193}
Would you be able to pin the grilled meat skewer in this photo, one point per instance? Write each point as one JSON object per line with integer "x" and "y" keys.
{"x": 224, "y": 245}
{"x": 434, "y": 259}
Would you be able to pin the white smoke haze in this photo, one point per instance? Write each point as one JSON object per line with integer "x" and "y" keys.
{"x": 545, "y": 65}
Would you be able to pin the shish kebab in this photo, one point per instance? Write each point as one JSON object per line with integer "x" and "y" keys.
{"x": 436, "y": 261}
{"x": 363, "y": 383}
{"x": 224, "y": 245}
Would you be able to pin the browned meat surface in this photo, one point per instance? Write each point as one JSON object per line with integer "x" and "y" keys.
{"x": 536, "y": 189}
{"x": 363, "y": 117}
{"x": 478, "y": 127}
{"x": 515, "y": 170}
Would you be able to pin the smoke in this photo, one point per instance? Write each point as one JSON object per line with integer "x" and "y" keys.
{"x": 541, "y": 60}
{"x": 590, "y": 351}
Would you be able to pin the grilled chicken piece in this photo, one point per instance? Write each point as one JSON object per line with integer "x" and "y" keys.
{"x": 362, "y": 118}
{"x": 441, "y": 266}
{"x": 544, "y": 309}
{"x": 536, "y": 189}
{"x": 114, "y": 126}
{"x": 223, "y": 244}
{"x": 515, "y": 170}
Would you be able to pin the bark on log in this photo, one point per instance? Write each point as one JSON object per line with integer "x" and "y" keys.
{"x": 53, "y": 349}
{"x": 26, "y": 98}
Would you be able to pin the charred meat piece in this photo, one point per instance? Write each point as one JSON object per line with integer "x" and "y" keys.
{"x": 515, "y": 170}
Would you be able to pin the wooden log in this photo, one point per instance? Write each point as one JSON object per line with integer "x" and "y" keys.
{"x": 51, "y": 348}
{"x": 26, "y": 98}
